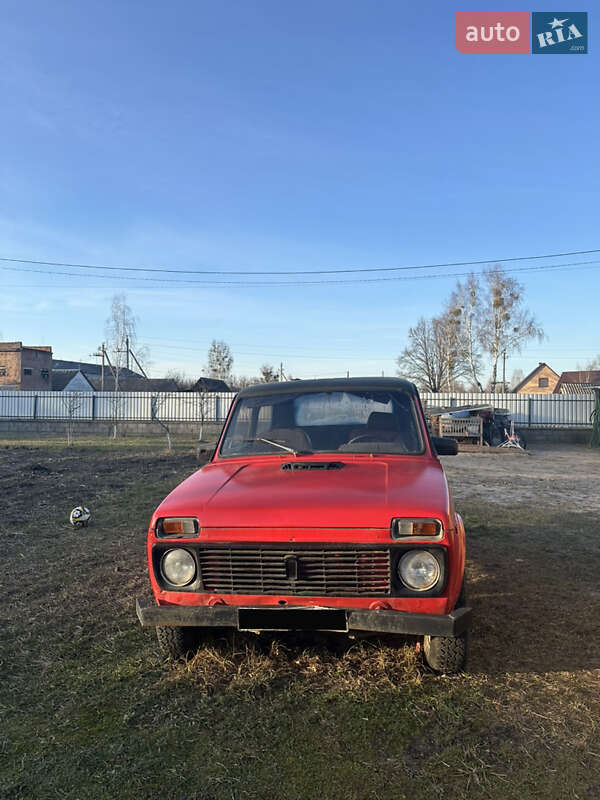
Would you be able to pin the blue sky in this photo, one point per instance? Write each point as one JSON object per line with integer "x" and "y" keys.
{"x": 285, "y": 136}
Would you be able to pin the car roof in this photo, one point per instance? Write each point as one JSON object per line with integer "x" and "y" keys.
{"x": 330, "y": 385}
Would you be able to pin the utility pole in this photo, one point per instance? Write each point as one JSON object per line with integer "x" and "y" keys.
{"x": 347, "y": 373}
{"x": 281, "y": 371}
{"x": 139, "y": 366}
{"x": 504, "y": 371}
{"x": 127, "y": 352}
{"x": 101, "y": 353}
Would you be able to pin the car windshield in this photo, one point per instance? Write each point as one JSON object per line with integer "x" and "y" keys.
{"x": 356, "y": 421}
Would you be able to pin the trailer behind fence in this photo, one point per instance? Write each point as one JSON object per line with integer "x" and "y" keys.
{"x": 529, "y": 410}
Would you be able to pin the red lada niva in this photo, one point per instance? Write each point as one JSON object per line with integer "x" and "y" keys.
{"x": 324, "y": 507}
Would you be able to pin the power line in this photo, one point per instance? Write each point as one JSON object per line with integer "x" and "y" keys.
{"x": 288, "y": 356}
{"x": 296, "y": 272}
{"x": 189, "y": 281}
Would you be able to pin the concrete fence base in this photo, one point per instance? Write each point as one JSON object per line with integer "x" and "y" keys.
{"x": 82, "y": 428}
{"x": 557, "y": 435}
{"x": 211, "y": 430}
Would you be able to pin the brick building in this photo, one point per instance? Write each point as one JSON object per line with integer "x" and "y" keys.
{"x": 23, "y": 367}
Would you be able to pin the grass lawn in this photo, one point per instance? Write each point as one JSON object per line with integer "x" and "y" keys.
{"x": 89, "y": 710}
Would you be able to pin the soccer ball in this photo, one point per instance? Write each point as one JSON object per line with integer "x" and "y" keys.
{"x": 80, "y": 517}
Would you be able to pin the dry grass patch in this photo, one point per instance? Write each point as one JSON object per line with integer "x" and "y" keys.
{"x": 89, "y": 710}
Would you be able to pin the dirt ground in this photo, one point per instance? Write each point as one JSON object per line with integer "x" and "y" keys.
{"x": 89, "y": 709}
{"x": 565, "y": 477}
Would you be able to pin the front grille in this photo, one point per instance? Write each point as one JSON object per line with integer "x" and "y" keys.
{"x": 316, "y": 571}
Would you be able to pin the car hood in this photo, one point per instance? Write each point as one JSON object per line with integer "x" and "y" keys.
{"x": 363, "y": 492}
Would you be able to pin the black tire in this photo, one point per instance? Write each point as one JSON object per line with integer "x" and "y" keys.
{"x": 446, "y": 654}
{"x": 177, "y": 643}
{"x": 522, "y": 440}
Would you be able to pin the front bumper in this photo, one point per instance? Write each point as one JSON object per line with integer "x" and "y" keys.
{"x": 305, "y": 618}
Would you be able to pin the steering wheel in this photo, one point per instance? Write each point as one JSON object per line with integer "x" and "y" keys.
{"x": 369, "y": 437}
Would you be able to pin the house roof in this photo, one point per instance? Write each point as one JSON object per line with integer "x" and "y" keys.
{"x": 532, "y": 374}
{"x": 89, "y": 369}
{"x": 577, "y": 381}
{"x": 62, "y": 377}
{"x": 210, "y": 385}
{"x": 132, "y": 384}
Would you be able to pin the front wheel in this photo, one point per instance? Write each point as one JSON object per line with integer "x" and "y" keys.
{"x": 176, "y": 642}
{"x": 446, "y": 653}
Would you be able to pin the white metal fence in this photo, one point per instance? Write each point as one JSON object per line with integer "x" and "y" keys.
{"x": 123, "y": 406}
{"x": 528, "y": 410}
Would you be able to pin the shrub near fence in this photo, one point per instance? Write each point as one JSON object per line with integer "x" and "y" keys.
{"x": 528, "y": 410}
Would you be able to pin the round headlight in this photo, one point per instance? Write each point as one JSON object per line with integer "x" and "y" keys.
{"x": 419, "y": 570}
{"x": 178, "y": 567}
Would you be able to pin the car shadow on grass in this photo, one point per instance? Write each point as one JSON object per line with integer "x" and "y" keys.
{"x": 533, "y": 587}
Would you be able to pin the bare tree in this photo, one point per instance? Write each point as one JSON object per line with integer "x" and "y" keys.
{"x": 72, "y": 402}
{"x": 504, "y": 324}
{"x": 220, "y": 360}
{"x": 268, "y": 374}
{"x": 594, "y": 363}
{"x": 241, "y": 381}
{"x": 464, "y": 308}
{"x": 432, "y": 357}
{"x": 202, "y": 406}
{"x": 121, "y": 335}
{"x": 516, "y": 378}
{"x": 157, "y": 403}
{"x": 183, "y": 381}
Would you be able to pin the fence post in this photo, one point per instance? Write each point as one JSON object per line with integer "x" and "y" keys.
{"x": 35, "y": 405}
{"x": 93, "y": 406}
{"x": 529, "y": 412}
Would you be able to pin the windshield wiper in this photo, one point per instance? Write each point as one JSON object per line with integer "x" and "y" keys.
{"x": 282, "y": 446}
{"x": 276, "y": 444}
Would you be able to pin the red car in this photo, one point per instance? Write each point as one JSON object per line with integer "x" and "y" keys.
{"x": 323, "y": 507}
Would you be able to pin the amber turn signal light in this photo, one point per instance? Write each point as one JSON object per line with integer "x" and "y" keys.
{"x": 177, "y": 526}
{"x": 415, "y": 527}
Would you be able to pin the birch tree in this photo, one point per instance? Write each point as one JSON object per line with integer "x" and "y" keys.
{"x": 464, "y": 308}
{"x": 121, "y": 335}
{"x": 504, "y": 324}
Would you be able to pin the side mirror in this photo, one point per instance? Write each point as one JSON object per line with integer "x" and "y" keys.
{"x": 444, "y": 446}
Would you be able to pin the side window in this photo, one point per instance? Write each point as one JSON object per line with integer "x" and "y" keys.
{"x": 542, "y": 383}
{"x": 265, "y": 420}
{"x": 2, "y": 371}
{"x": 27, "y": 371}
{"x": 243, "y": 422}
